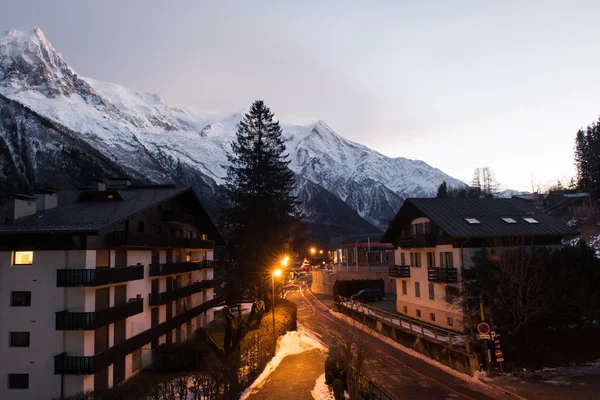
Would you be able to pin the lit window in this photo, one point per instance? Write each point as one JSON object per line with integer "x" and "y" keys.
{"x": 23, "y": 258}
{"x": 472, "y": 221}
{"x": 110, "y": 196}
{"x": 531, "y": 220}
{"x": 509, "y": 220}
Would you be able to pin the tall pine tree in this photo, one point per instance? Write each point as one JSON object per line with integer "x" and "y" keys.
{"x": 260, "y": 211}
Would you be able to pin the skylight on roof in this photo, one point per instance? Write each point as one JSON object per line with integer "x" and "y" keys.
{"x": 531, "y": 220}
{"x": 472, "y": 221}
{"x": 509, "y": 220}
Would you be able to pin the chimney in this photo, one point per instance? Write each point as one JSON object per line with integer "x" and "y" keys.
{"x": 22, "y": 206}
{"x": 119, "y": 183}
{"x": 46, "y": 199}
{"x": 98, "y": 186}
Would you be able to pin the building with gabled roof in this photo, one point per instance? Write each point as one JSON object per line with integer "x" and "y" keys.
{"x": 92, "y": 280}
{"x": 437, "y": 238}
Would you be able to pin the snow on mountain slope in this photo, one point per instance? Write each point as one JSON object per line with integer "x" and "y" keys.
{"x": 141, "y": 133}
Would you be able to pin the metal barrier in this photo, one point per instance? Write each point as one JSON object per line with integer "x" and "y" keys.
{"x": 417, "y": 328}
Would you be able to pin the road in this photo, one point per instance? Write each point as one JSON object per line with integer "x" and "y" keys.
{"x": 403, "y": 375}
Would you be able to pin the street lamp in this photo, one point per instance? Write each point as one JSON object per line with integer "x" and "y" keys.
{"x": 276, "y": 273}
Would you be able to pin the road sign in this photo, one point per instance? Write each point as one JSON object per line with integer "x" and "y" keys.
{"x": 483, "y": 328}
{"x": 499, "y": 359}
{"x": 498, "y": 353}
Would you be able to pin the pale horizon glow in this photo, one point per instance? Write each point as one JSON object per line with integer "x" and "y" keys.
{"x": 459, "y": 85}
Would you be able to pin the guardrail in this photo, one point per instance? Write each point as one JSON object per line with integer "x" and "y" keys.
{"x": 417, "y": 328}
{"x": 399, "y": 271}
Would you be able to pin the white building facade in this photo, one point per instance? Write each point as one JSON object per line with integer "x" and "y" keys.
{"x": 90, "y": 286}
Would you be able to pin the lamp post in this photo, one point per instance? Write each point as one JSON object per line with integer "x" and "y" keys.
{"x": 275, "y": 273}
{"x": 312, "y": 253}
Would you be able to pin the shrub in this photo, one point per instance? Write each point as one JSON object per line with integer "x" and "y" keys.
{"x": 179, "y": 357}
{"x": 329, "y": 378}
{"x": 338, "y": 389}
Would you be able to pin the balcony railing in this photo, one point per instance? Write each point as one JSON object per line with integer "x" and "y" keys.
{"x": 157, "y": 299}
{"x": 75, "y": 321}
{"x": 98, "y": 276}
{"x": 177, "y": 268}
{"x": 134, "y": 239}
{"x": 420, "y": 240}
{"x": 443, "y": 275}
{"x": 177, "y": 216}
{"x": 66, "y": 365}
{"x": 399, "y": 271}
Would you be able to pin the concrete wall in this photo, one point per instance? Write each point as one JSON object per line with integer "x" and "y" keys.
{"x": 322, "y": 282}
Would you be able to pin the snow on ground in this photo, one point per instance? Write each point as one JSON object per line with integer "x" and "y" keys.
{"x": 246, "y": 308}
{"x": 321, "y": 390}
{"x": 408, "y": 325}
{"x": 562, "y": 375}
{"x": 414, "y": 353}
{"x": 293, "y": 342}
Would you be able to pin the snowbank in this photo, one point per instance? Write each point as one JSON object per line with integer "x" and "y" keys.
{"x": 321, "y": 390}
{"x": 293, "y": 342}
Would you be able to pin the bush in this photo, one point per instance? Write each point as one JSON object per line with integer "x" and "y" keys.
{"x": 338, "y": 389}
{"x": 179, "y": 357}
{"x": 348, "y": 288}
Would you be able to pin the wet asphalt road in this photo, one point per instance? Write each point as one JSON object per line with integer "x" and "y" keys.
{"x": 403, "y": 375}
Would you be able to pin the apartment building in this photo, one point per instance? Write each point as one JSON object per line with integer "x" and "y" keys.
{"x": 436, "y": 239}
{"x": 92, "y": 280}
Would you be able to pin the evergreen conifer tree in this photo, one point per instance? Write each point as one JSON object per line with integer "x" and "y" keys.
{"x": 442, "y": 190}
{"x": 260, "y": 211}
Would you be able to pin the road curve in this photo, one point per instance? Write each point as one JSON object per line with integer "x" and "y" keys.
{"x": 405, "y": 376}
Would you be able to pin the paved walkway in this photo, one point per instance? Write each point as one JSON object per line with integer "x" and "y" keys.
{"x": 293, "y": 378}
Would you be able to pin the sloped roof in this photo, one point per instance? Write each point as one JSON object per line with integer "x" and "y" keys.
{"x": 92, "y": 215}
{"x": 450, "y": 213}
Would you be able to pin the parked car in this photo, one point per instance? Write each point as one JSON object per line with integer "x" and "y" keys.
{"x": 368, "y": 295}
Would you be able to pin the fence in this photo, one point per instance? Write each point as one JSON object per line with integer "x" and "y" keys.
{"x": 361, "y": 268}
{"x": 368, "y": 389}
{"x": 426, "y": 331}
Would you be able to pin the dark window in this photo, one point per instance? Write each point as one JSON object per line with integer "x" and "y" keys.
{"x": 412, "y": 259}
{"x": 431, "y": 292}
{"x": 18, "y": 381}
{"x": 140, "y": 227}
{"x": 405, "y": 310}
{"x": 419, "y": 313}
{"x": 451, "y": 294}
{"x": 387, "y": 258}
{"x": 402, "y": 258}
{"x": 20, "y": 299}
{"x": 417, "y": 289}
{"x": 19, "y": 339}
{"x": 418, "y": 260}
{"x": 450, "y": 321}
{"x": 432, "y": 316}
{"x": 430, "y": 259}
{"x": 404, "y": 289}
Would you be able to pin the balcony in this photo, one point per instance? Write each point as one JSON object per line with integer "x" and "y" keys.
{"x": 65, "y": 365}
{"x": 134, "y": 239}
{"x": 85, "y": 321}
{"x": 399, "y": 271}
{"x": 415, "y": 241}
{"x": 178, "y": 268}
{"x": 157, "y": 299}
{"x": 442, "y": 275}
{"x": 98, "y": 276}
{"x": 178, "y": 217}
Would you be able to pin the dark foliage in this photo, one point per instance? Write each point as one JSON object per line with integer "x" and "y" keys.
{"x": 179, "y": 357}
{"x": 338, "y": 389}
{"x": 587, "y": 158}
{"x": 260, "y": 213}
{"x": 348, "y": 288}
{"x": 442, "y": 190}
{"x": 541, "y": 300}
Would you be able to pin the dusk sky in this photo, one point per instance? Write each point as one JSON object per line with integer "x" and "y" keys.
{"x": 458, "y": 84}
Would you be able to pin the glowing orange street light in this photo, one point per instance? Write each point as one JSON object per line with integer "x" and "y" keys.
{"x": 313, "y": 250}
{"x": 321, "y": 252}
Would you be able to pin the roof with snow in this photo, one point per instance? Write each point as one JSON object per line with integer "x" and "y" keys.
{"x": 463, "y": 218}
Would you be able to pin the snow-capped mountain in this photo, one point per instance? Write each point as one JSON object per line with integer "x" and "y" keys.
{"x": 149, "y": 140}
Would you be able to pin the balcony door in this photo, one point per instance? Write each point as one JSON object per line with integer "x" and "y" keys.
{"x": 101, "y": 338}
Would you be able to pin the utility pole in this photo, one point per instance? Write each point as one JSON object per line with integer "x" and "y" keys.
{"x": 484, "y": 343}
